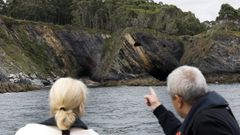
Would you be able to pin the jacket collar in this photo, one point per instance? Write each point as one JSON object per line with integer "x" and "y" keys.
{"x": 77, "y": 124}
{"x": 210, "y": 100}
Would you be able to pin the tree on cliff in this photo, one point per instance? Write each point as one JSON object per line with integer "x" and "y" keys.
{"x": 228, "y": 17}
{"x": 110, "y": 15}
{"x": 239, "y": 11}
{"x": 2, "y": 7}
{"x": 227, "y": 12}
{"x": 114, "y": 15}
{"x": 62, "y": 11}
{"x": 87, "y": 13}
{"x": 31, "y": 10}
{"x": 55, "y": 11}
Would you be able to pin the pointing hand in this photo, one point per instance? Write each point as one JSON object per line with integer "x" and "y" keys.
{"x": 151, "y": 99}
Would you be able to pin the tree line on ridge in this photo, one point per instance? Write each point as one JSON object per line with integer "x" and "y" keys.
{"x": 112, "y": 15}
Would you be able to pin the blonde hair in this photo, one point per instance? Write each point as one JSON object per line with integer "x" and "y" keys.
{"x": 67, "y": 101}
{"x": 188, "y": 82}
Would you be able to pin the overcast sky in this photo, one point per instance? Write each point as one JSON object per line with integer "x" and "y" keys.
{"x": 203, "y": 9}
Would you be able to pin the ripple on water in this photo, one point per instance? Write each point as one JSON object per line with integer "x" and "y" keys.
{"x": 109, "y": 111}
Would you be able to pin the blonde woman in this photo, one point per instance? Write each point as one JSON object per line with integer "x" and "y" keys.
{"x": 67, "y": 102}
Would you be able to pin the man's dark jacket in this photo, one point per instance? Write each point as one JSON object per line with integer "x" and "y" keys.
{"x": 211, "y": 115}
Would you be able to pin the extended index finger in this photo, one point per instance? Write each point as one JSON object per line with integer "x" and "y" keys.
{"x": 152, "y": 91}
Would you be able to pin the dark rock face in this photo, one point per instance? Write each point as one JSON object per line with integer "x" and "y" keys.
{"x": 164, "y": 54}
{"x": 76, "y": 53}
{"x": 85, "y": 50}
{"x": 142, "y": 54}
{"x": 49, "y": 51}
{"x": 217, "y": 54}
{"x": 3, "y": 78}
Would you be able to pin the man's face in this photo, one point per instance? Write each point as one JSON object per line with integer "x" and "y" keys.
{"x": 178, "y": 105}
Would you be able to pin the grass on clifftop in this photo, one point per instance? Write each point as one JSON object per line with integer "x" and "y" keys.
{"x": 25, "y": 50}
{"x": 153, "y": 32}
{"x": 201, "y": 44}
{"x": 9, "y": 21}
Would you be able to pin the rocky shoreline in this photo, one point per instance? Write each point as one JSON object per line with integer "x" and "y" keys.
{"x": 141, "y": 81}
{"x": 11, "y": 87}
{"x": 150, "y": 81}
{"x": 223, "y": 78}
{"x": 21, "y": 82}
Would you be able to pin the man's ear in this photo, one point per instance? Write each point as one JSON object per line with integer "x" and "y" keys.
{"x": 179, "y": 101}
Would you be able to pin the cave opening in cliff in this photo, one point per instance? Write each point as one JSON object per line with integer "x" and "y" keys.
{"x": 84, "y": 72}
{"x": 159, "y": 74}
{"x": 86, "y": 67}
{"x": 137, "y": 44}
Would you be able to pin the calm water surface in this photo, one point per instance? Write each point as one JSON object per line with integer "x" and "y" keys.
{"x": 109, "y": 111}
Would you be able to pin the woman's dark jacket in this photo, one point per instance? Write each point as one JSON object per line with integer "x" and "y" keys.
{"x": 211, "y": 115}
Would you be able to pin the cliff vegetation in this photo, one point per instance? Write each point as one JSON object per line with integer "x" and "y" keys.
{"x": 112, "y": 42}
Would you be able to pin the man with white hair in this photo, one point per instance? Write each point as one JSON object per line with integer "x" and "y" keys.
{"x": 204, "y": 112}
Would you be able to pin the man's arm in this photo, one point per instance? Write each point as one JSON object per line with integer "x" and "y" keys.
{"x": 167, "y": 119}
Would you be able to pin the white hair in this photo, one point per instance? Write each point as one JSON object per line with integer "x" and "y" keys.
{"x": 67, "y": 101}
{"x": 187, "y": 82}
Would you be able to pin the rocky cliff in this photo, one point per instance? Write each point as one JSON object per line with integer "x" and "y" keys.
{"x": 216, "y": 53}
{"x": 140, "y": 52}
{"x": 44, "y": 50}
{"x": 36, "y": 53}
